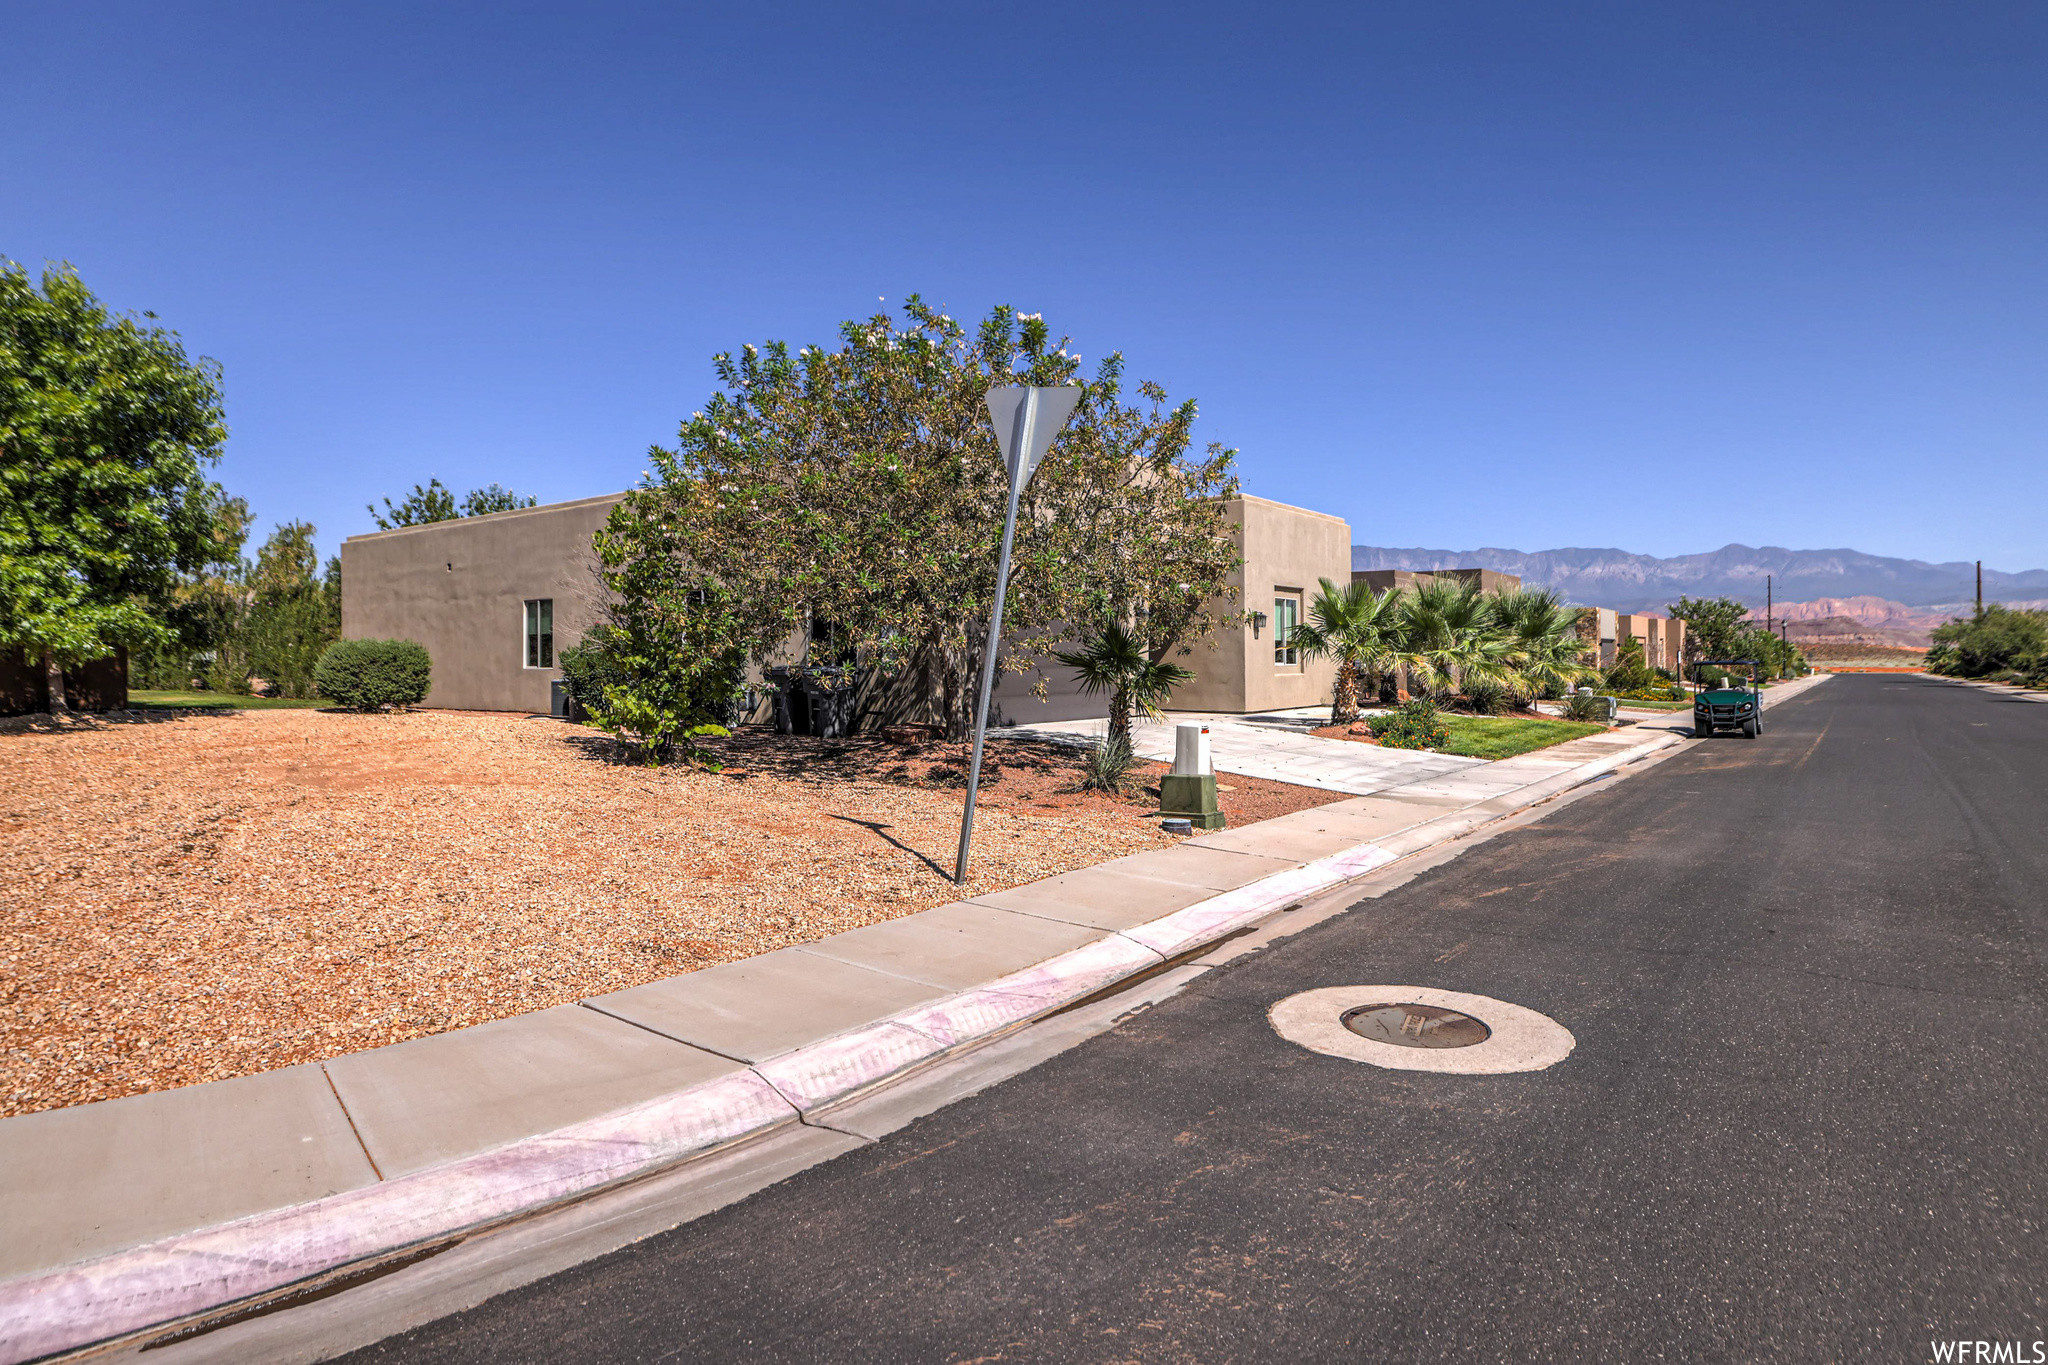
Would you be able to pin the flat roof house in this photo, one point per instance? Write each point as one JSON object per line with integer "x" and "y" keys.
{"x": 495, "y": 598}
{"x": 1489, "y": 580}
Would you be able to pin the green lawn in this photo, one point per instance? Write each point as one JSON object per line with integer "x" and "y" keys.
{"x": 148, "y": 699}
{"x": 1505, "y": 736}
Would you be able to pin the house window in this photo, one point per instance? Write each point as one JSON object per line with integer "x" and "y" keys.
{"x": 1286, "y": 616}
{"x": 540, "y": 633}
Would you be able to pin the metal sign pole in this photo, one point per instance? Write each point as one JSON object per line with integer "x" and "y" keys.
{"x": 1020, "y": 449}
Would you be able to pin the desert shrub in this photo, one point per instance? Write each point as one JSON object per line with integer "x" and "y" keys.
{"x": 588, "y": 668}
{"x": 1488, "y": 698}
{"x": 1585, "y": 706}
{"x": 1107, "y": 767}
{"x": 1661, "y": 692}
{"x": 2000, "y": 640}
{"x": 1416, "y": 725}
{"x": 369, "y": 675}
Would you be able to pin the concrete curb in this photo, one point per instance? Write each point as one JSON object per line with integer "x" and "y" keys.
{"x": 180, "y": 1278}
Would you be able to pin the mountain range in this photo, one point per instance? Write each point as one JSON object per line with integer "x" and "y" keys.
{"x": 1632, "y": 582}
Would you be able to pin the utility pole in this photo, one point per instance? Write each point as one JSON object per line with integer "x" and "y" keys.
{"x": 1767, "y": 604}
{"x": 1980, "y": 590}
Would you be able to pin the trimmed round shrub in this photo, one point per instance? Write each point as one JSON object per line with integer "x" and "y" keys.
{"x": 1416, "y": 725}
{"x": 369, "y": 675}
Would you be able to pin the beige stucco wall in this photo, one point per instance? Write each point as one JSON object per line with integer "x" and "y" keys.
{"x": 460, "y": 588}
{"x": 1644, "y": 628}
{"x": 1285, "y": 549}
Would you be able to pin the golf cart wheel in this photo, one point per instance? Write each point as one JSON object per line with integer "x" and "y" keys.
{"x": 1749, "y": 729}
{"x": 1703, "y": 729}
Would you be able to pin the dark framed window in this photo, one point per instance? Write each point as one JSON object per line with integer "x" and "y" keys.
{"x": 540, "y": 632}
{"x": 1286, "y": 616}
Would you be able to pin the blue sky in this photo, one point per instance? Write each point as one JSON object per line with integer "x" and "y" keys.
{"x": 1657, "y": 276}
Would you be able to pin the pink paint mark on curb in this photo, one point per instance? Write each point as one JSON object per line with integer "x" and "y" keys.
{"x": 1186, "y": 929}
{"x": 191, "y": 1273}
{"x": 834, "y": 1068}
{"x": 1014, "y": 998}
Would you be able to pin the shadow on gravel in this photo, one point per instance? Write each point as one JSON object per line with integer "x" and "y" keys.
{"x": 87, "y": 722}
{"x": 903, "y": 756}
{"x": 883, "y": 830}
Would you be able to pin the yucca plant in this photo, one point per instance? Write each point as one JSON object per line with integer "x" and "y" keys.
{"x": 1488, "y": 698}
{"x": 1585, "y": 706}
{"x": 1107, "y": 767}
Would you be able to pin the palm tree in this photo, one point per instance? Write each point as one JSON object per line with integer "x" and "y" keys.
{"x": 1543, "y": 641}
{"x": 1360, "y": 630}
{"x": 1448, "y": 637}
{"x": 1115, "y": 661}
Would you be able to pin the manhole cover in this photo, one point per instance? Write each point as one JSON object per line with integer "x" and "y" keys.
{"x": 1416, "y": 1026}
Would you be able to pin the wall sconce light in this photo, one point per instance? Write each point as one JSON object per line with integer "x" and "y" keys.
{"x": 1258, "y": 623}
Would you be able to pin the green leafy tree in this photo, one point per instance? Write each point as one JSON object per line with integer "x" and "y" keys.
{"x": 862, "y": 486}
{"x": 207, "y": 601}
{"x": 1631, "y": 671}
{"x": 2001, "y": 640}
{"x": 673, "y": 654}
{"x": 1713, "y": 626}
{"x": 431, "y": 501}
{"x": 427, "y": 503}
{"x": 292, "y": 615}
{"x": 1358, "y": 628}
{"x": 1114, "y": 660}
{"x": 481, "y": 502}
{"x": 106, "y": 430}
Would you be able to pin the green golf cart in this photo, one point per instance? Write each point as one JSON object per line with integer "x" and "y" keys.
{"x": 1727, "y": 708}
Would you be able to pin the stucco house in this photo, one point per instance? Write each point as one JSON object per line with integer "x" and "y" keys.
{"x": 495, "y": 598}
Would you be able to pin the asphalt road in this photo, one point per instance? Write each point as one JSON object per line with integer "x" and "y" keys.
{"x": 1804, "y": 1120}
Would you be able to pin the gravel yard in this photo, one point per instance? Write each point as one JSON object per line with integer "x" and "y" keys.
{"x": 189, "y": 896}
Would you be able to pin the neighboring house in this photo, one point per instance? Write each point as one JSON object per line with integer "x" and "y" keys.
{"x": 495, "y": 598}
{"x": 1408, "y": 580}
{"x": 1663, "y": 637}
{"x": 1257, "y": 666}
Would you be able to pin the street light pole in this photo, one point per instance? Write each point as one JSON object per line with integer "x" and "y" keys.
{"x": 1026, "y": 419}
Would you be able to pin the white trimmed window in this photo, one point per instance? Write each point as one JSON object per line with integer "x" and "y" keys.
{"x": 1286, "y": 616}
{"x": 540, "y": 632}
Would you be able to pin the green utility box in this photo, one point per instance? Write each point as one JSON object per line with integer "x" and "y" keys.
{"x": 1192, "y": 799}
{"x": 1189, "y": 791}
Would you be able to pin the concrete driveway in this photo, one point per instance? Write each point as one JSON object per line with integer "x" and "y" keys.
{"x": 1276, "y": 746}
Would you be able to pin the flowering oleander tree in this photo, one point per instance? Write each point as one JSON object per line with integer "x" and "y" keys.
{"x": 862, "y": 486}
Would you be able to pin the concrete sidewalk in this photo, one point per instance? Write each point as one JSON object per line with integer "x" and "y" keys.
{"x": 133, "y": 1216}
